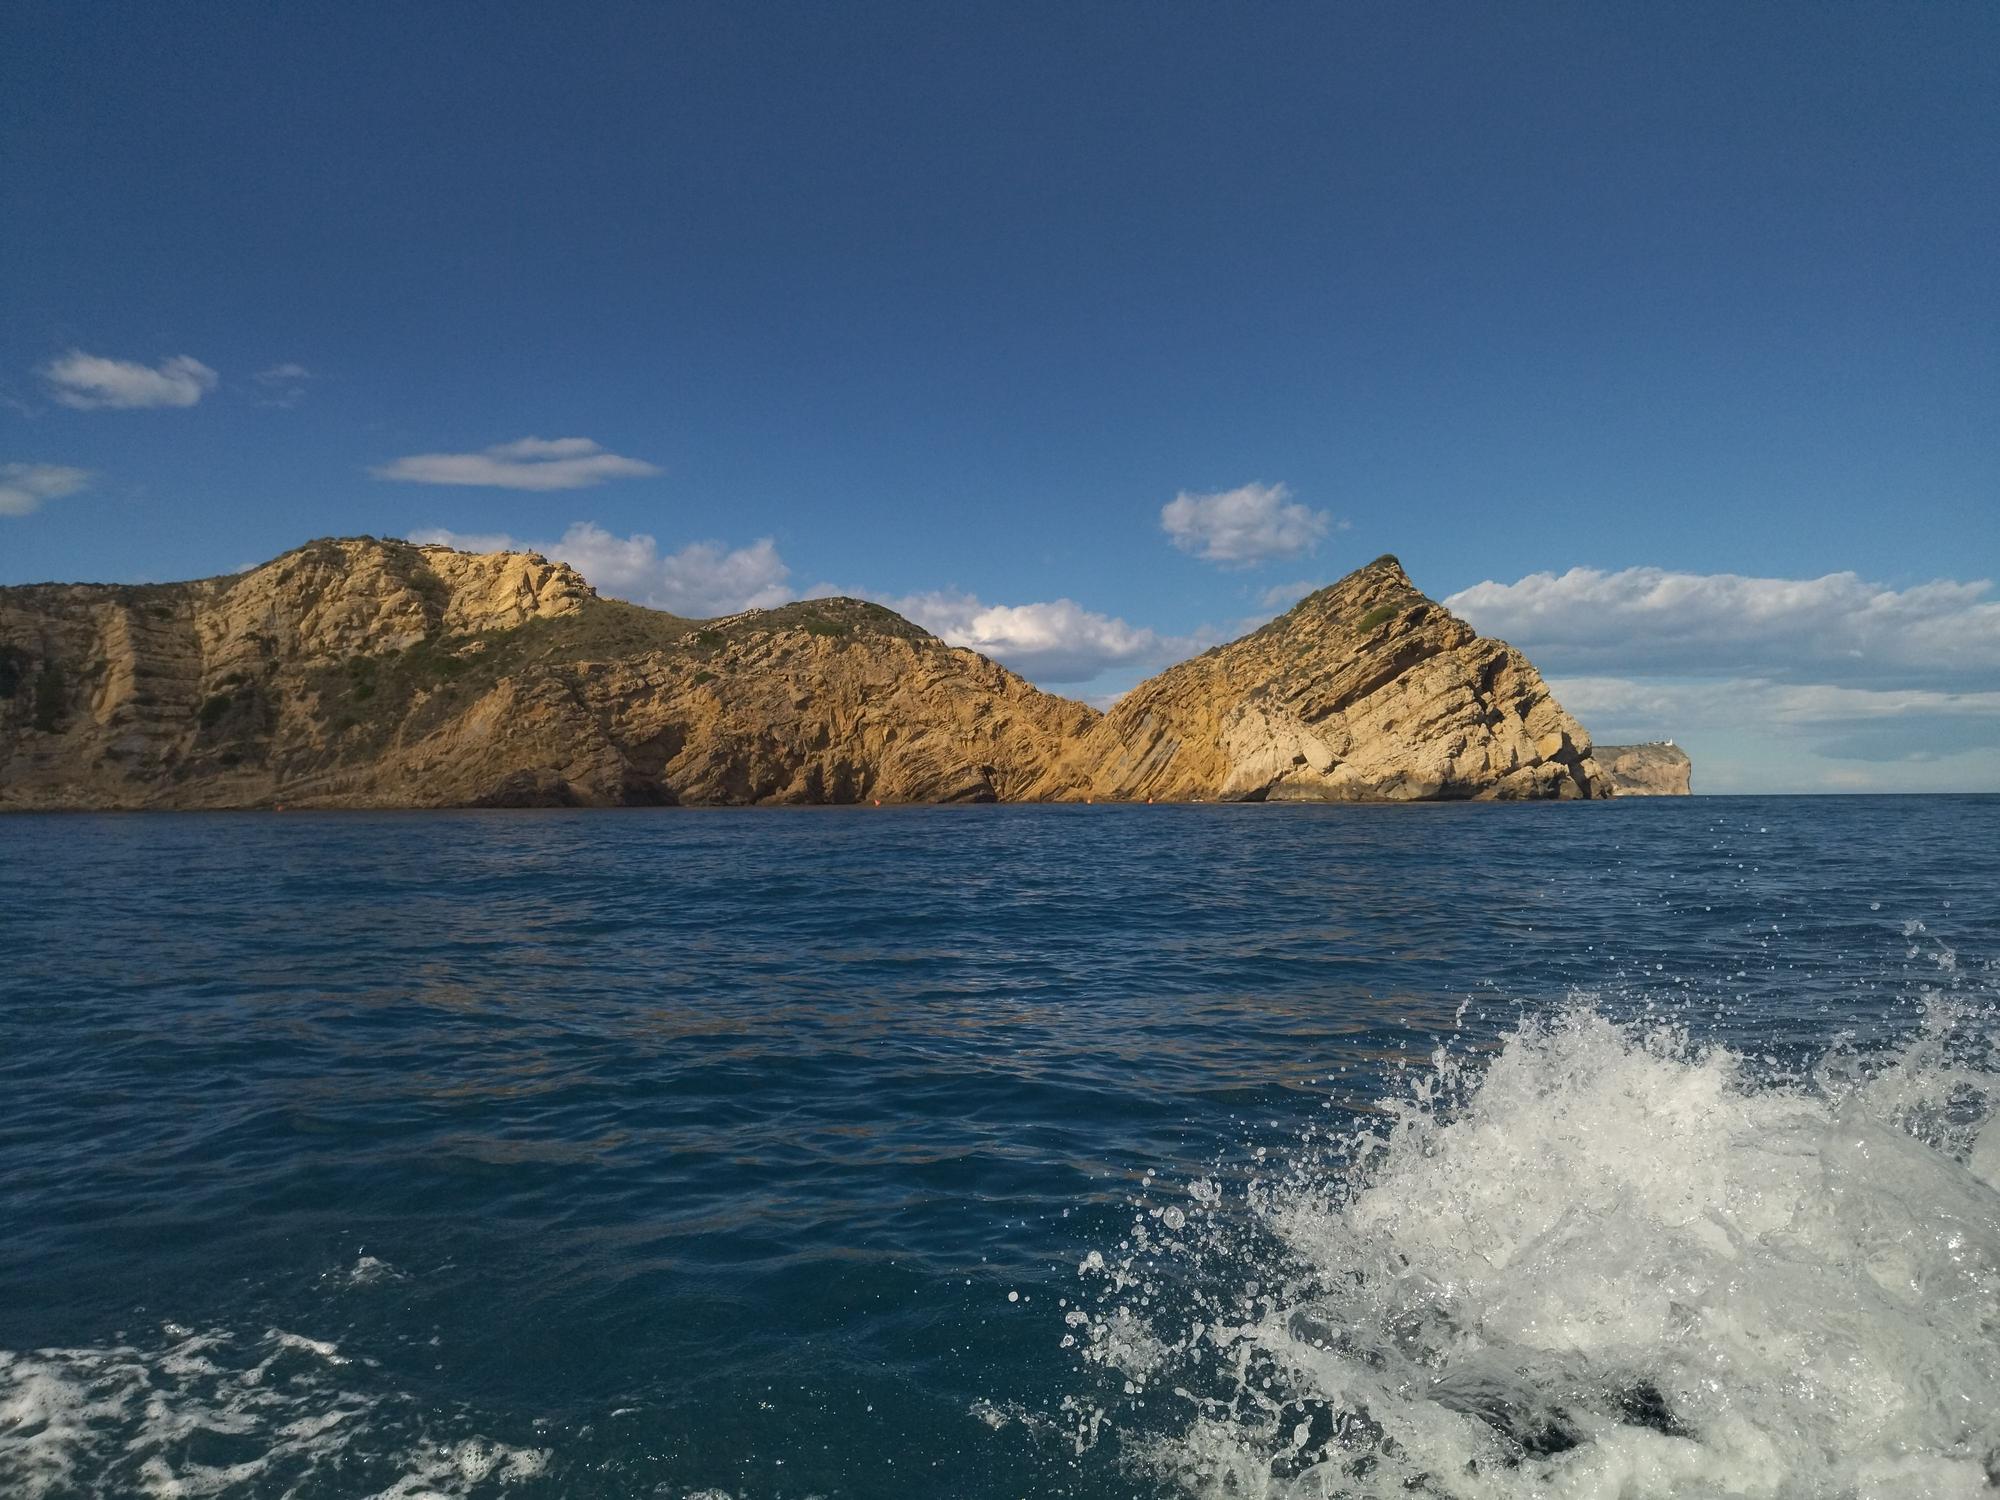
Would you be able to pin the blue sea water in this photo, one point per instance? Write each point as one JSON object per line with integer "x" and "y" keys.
{"x": 1636, "y": 1148}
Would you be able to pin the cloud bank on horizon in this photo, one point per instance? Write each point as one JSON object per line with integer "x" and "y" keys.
{"x": 1844, "y": 677}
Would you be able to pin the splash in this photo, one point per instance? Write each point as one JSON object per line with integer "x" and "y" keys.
{"x": 1606, "y": 1260}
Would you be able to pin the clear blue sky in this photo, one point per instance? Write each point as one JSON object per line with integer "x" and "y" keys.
{"x": 949, "y": 302}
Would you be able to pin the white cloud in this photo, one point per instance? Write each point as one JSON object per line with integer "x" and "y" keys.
{"x": 1838, "y": 628}
{"x": 1238, "y": 527}
{"x": 1056, "y": 641}
{"x": 23, "y": 487}
{"x": 88, "y": 381}
{"x": 283, "y": 385}
{"x": 701, "y": 580}
{"x": 529, "y": 463}
{"x": 706, "y": 578}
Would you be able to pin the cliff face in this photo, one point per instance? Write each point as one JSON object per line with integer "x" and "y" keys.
{"x": 1661, "y": 769}
{"x": 379, "y": 674}
{"x": 1365, "y": 690}
{"x": 365, "y": 673}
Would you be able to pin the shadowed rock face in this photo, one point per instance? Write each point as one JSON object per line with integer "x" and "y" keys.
{"x": 1655, "y": 770}
{"x": 366, "y": 673}
{"x": 1365, "y": 690}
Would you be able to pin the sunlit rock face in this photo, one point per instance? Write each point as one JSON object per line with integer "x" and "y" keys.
{"x": 369, "y": 673}
{"x": 1366, "y": 690}
{"x": 1660, "y": 769}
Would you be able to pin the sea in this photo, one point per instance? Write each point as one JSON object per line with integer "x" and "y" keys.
{"x": 1645, "y": 1148}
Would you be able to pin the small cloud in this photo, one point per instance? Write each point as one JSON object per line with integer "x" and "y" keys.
{"x": 529, "y": 463}
{"x": 534, "y": 447}
{"x": 282, "y": 385}
{"x": 1053, "y": 641}
{"x": 1252, "y": 524}
{"x": 89, "y": 381}
{"x": 23, "y": 487}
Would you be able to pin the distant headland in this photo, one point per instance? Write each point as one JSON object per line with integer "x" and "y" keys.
{"x": 359, "y": 672}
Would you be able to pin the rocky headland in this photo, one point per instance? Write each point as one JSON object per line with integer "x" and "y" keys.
{"x": 1658, "y": 769}
{"x": 369, "y": 673}
{"x": 1364, "y": 691}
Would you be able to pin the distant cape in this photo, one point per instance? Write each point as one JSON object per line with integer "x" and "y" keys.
{"x": 359, "y": 672}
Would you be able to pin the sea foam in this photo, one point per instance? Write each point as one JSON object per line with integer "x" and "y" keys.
{"x": 214, "y": 1413}
{"x": 1606, "y": 1260}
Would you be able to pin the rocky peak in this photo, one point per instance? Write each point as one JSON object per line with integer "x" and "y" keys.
{"x": 1365, "y": 689}
{"x": 363, "y": 596}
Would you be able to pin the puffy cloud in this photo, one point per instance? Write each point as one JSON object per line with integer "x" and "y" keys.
{"x": 87, "y": 381}
{"x": 23, "y": 487}
{"x": 529, "y": 463}
{"x": 701, "y": 580}
{"x": 1838, "y": 628}
{"x": 705, "y": 578}
{"x": 1239, "y": 527}
{"x": 282, "y": 385}
{"x": 1057, "y": 641}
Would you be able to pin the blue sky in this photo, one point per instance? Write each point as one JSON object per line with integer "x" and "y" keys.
{"x": 1086, "y": 334}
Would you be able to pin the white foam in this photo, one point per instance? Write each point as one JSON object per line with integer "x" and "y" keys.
{"x": 216, "y": 1414}
{"x": 1607, "y": 1261}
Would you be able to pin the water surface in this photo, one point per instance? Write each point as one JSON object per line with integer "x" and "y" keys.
{"x": 764, "y": 1153}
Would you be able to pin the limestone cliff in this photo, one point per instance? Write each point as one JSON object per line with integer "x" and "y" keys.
{"x": 1365, "y": 690}
{"x": 369, "y": 673}
{"x": 366, "y": 673}
{"x": 1660, "y": 769}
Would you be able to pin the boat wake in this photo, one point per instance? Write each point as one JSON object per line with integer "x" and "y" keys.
{"x": 1606, "y": 1260}
{"x": 215, "y": 1413}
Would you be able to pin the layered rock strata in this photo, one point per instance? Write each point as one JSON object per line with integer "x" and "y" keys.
{"x": 365, "y": 673}
{"x": 369, "y": 673}
{"x": 1364, "y": 691}
{"x": 1658, "y": 769}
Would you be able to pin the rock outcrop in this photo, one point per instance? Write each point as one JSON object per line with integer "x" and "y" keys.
{"x": 368, "y": 673}
{"x": 1364, "y": 691}
{"x": 1659, "y": 769}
